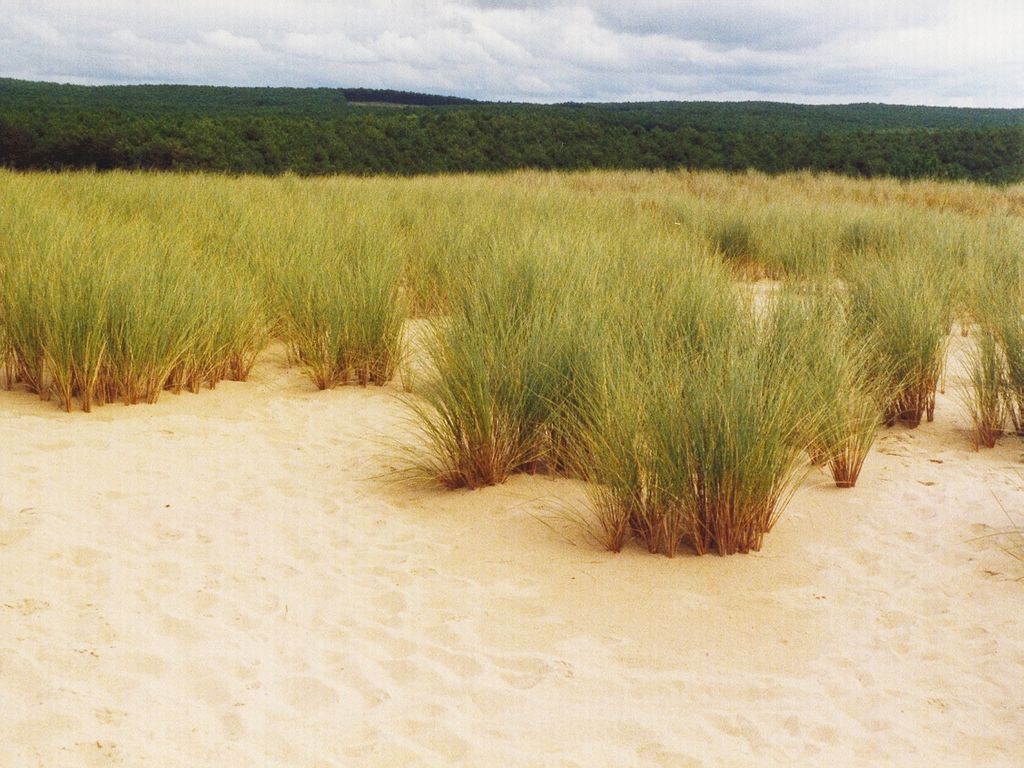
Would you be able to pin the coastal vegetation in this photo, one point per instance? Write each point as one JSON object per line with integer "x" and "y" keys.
{"x": 686, "y": 344}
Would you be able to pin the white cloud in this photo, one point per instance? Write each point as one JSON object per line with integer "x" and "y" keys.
{"x": 34, "y": 28}
{"x": 924, "y": 51}
{"x": 221, "y": 38}
{"x": 330, "y": 46}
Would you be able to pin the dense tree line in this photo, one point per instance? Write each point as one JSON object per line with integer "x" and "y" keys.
{"x": 184, "y": 101}
{"x": 318, "y": 131}
{"x": 401, "y": 98}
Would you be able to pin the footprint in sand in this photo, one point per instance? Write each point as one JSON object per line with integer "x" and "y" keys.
{"x": 163, "y": 533}
{"x": 206, "y": 686}
{"x": 895, "y": 620}
{"x": 656, "y": 754}
{"x": 181, "y": 630}
{"x": 307, "y": 694}
{"x": 109, "y": 716}
{"x": 85, "y": 557}
{"x": 393, "y": 602}
{"x": 203, "y": 602}
{"x": 14, "y": 536}
{"x": 167, "y": 569}
{"x": 523, "y": 673}
{"x": 878, "y": 725}
{"x": 233, "y": 726}
{"x": 438, "y": 739}
{"x": 463, "y": 666}
{"x": 27, "y": 606}
{"x": 54, "y": 725}
{"x": 94, "y": 754}
{"x": 741, "y": 727}
{"x": 939, "y": 704}
{"x": 414, "y": 672}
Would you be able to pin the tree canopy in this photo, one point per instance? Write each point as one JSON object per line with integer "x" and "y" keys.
{"x": 357, "y": 130}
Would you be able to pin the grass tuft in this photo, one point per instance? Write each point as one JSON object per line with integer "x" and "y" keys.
{"x": 905, "y": 306}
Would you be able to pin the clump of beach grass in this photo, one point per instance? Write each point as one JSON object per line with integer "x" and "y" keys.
{"x": 233, "y": 328}
{"x": 904, "y": 304}
{"x": 733, "y": 238}
{"x": 504, "y": 369}
{"x": 850, "y": 415}
{"x": 97, "y": 309}
{"x": 1011, "y": 338}
{"x": 986, "y": 395}
{"x": 842, "y": 374}
{"x": 695, "y": 440}
{"x": 871, "y": 232}
{"x": 995, "y": 390}
{"x": 340, "y": 303}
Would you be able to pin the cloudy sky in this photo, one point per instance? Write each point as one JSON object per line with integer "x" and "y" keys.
{"x": 944, "y": 52}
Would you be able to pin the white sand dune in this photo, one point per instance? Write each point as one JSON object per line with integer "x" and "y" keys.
{"x": 236, "y": 579}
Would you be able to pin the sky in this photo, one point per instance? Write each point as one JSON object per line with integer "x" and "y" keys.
{"x": 939, "y": 52}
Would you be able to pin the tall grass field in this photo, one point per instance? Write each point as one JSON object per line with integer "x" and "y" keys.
{"x": 689, "y": 345}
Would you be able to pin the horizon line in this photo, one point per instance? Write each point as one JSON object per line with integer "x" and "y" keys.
{"x": 569, "y": 102}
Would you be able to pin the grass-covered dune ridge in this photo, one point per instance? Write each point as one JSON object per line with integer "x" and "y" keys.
{"x": 598, "y": 325}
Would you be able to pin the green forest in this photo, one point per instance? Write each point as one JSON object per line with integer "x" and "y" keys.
{"x": 312, "y": 131}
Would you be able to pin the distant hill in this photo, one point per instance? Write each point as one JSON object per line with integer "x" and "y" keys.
{"x": 767, "y": 115}
{"x": 401, "y": 98}
{"x": 213, "y": 101}
{"x": 358, "y": 130}
{"x": 193, "y": 100}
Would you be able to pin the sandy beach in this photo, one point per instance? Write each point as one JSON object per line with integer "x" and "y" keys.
{"x": 243, "y": 578}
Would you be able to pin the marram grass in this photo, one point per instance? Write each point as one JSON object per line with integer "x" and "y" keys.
{"x": 986, "y": 393}
{"x": 101, "y": 310}
{"x": 505, "y": 366}
{"x": 842, "y": 373}
{"x": 994, "y": 392}
{"x": 340, "y": 305}
{"x": 702, "y": 449}
{"x": 904, "y": 304}
{"x": 592, "y": 324}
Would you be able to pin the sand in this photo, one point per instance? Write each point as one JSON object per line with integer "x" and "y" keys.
{"x": 239, "y": 578}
